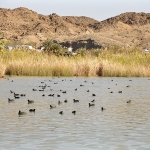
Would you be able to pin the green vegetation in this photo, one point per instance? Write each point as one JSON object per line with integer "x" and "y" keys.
{"x": 51, "y": 47}
{"x": 115, "y": 62}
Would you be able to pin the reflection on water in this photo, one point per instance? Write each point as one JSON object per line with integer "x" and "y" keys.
{"x": 121, "y": 126}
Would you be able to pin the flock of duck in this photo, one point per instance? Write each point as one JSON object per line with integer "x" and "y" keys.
{"x": 53, "y": 106}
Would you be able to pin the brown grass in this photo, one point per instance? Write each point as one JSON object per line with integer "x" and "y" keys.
{"x": 106, "y": 64}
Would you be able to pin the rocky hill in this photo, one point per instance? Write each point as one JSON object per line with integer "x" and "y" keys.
{"x": 26, "y": 26}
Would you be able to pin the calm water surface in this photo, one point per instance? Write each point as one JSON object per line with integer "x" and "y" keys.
{"x": 121, "y": 126}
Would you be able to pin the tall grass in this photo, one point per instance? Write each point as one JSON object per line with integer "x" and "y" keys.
{"x": 106, "y": 63}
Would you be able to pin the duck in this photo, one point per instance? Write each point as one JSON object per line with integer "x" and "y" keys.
{"x": 65, "y": 101}
{"x": 59, "y": 102}
{"x": 102, "y": 108}
{"x": 41, "y": 90}
{"x": 74, "y": 112}
{"x": 61, "y": 112}
{"x": 22, "y": 94}
{"x": 129, "y": 101}
{"x": 16, "y": 95}
{"x": 93, "y": 94}
{"x": 10, "y": 100}
{"x": 52, "y": 106}
{"x": 30, "y": 101}
{"x": 88, "y": 90}
{"x": 93, "y": 100}
{"x": 91, "y": 104}
{"x": 119, "y": 91}
{"x": 21, "y": 113}
{"x": 32, "y": 110}
{"x": 76, "y": 89}
{"x": 51, "y": 95}
{"x": 75, "y": 100}
{"x": 12, "y": 91}
{"x": 58, "y": 95}
{"x": 34, "y": 89}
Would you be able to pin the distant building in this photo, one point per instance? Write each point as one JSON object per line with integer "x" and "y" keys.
{"x": 147, "y": 50}
{"x": 19, "y": 47}
{"x": 70, "y": 49}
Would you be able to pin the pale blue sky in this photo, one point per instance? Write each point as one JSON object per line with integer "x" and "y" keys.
{"x": 97, "y": 9}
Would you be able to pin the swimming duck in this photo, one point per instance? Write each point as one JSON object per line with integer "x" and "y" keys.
{"x": 91, "y": 104}
{"x": 129, "y": 101}
{"x": 34, "y": 89}
{"x": 32, "y": 110}
{"x": 10, "y": 100}
{"x": 21, "y": 113}
{"x": 65, "y": 101}
{"x": 15, "y": 95}
{"x": 12, "y": 91}
{"x": 93, "y": 94}
{"x": 52, "y": 106}
{"x": 58, "y": 95}
{"x": 30, "y": 101}
{"x": 102, "y": 108}
{"x": 75, "y": 100}
{"x": 59, "y": 102}
{"x": 93, "y": 100}
{"x": 61, "y": 112}
{"x": 74, "y": 112}
{"x": 51, "y": 95}
{"x": 41, "y": 90}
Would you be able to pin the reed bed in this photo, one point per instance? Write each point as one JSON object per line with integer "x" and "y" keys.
{"x": 104, "y": 63}
{"x": 2, "y": 68}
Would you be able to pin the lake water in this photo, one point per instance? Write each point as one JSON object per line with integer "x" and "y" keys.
{"x": 121, "y": 126}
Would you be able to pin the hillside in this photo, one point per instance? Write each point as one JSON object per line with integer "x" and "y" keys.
{"x": 25, "y": 26}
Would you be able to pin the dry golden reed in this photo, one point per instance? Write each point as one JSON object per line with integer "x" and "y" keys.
{"x": 105, "y": 64}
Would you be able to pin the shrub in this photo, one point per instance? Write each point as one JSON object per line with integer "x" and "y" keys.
{"x": 51, "y": 47}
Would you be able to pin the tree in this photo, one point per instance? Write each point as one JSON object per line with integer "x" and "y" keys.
{"x": 50, "y": 46}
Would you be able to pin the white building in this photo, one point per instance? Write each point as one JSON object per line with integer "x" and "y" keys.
{"x": 70, "y": 49}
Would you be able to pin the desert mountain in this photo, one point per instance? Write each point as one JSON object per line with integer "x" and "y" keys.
{"x": 25, "y": 26}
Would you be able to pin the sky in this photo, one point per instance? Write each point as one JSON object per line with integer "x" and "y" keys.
{"x": 96, "y": 9}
